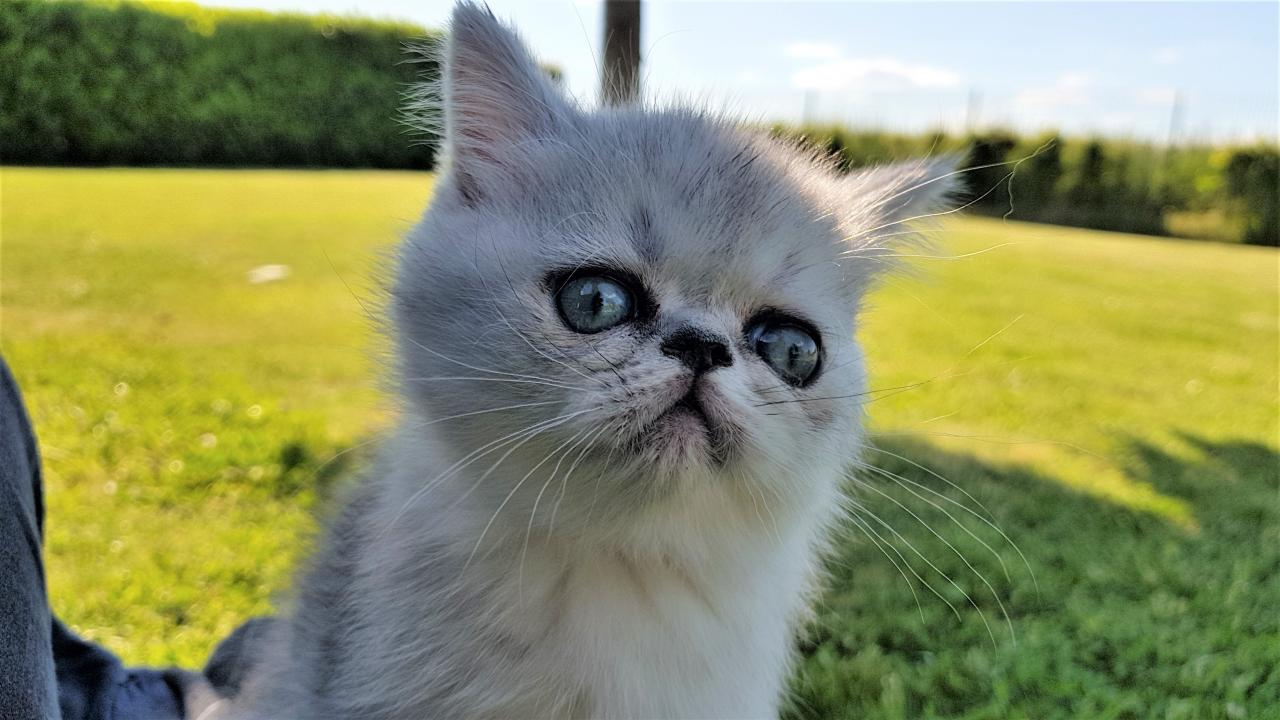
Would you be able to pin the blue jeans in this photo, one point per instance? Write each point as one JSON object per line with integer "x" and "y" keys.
{"x": 46, "y": 671}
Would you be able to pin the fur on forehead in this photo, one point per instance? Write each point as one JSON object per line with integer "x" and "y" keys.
{"x": 663, "y": 189}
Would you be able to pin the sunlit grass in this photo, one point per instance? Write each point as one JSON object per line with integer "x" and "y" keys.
{"x": 1088, "y": 341}
{"x": 1111, "y": 400}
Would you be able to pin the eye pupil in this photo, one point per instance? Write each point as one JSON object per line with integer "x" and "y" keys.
{"x": 591, "y": 303}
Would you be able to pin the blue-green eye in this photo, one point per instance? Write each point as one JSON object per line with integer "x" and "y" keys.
{"x": 592, "y": 303}
{"x": 791, "y": 350}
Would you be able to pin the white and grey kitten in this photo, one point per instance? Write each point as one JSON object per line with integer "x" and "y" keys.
{"x": 631, "y": 391}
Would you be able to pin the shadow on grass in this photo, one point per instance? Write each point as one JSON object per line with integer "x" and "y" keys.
{"x": 934, "y": 614}
{"x": 1129, "y": 615}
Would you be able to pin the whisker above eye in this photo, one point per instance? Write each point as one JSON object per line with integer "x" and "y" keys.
{"x": 936, "y": 257}
{"x": 924, "y": 216}
{"x": 522, "y": 336}
{"x": 1007, "y": 177}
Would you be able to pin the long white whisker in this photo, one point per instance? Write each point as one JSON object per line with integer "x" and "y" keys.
{"x": 472, "y": 457}
{"x": 941, "y": 213}
{"x": 994, "y": 439}
{"x": 924, "y": 468}
{"x": 522, "y": 336}
{"x": 539, "y": 351}
{"x": 514, "y": 381}
{"x": 963, "y": 559}
{"x": 533, "y": 513}
{"x": 906, "y": 483}
{"x": 514, "y": 489}
{"x": 935, "y": 257}
{"x": 564, "y": 482}
{"x": 858, "y": 523}
{"x": 962, "y": 506}
{"x": 476, "y": 368}
{"x": 909, "y": 566}
{"x": 961, "y": 171}
{"x": 433, "y": 421}
{"x": 528, "y": 436}
{"x": 595, "y": 494}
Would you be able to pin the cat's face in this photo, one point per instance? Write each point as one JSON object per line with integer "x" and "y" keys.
{"x": 610, "y": 313}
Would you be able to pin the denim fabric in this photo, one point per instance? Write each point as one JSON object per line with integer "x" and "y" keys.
{"x": 46, "y": 671}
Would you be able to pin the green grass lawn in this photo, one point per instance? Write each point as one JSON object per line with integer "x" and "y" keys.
{"x": 1108, "y": 402}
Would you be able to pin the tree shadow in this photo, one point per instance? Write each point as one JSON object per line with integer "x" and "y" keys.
{"x": 1129, "y": 614}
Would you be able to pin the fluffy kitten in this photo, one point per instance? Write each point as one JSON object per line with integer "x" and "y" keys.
{"x": 630, "y": 392}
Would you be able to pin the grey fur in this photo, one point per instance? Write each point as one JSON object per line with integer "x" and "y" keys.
{"x": 602, "y": 563}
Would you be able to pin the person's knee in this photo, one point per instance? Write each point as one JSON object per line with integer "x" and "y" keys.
{"x": 17, "y": 441}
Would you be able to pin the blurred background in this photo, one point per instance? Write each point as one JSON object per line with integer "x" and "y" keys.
{"x": 1072, "y": 504}
{"x": 1158, "y": 119}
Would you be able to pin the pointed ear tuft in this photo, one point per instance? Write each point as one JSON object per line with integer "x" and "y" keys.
{"x": 495, "y": 97}
{"x": 908, "y": 191}
{"x": 892, "y": 204}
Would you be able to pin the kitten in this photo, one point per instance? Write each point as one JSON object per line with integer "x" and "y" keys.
{"x": 631, "y": 392}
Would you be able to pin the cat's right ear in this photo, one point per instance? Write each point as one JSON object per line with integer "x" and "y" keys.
{"x": 495, "y": 97}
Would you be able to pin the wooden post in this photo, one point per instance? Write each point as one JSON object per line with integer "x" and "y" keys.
{"x": 620, "y": 76}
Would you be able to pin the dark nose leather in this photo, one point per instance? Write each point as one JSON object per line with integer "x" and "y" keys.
{"x": 700, "y": 350}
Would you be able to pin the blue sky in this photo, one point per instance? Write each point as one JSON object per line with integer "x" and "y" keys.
{"x": 1113, "y": 68}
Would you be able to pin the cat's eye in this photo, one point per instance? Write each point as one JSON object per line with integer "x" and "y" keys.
{"x": 592, "y": 303}
{"x": 787, "y": 347}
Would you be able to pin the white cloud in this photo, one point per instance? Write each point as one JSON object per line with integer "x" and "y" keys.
{"x": 1070, "y": 89}
{"x": 872, "y": 74}
{"x": 1157, "y": 95}
{"x": 812, "y": 51}
{"x": 748, "y": 78}
{"x": 1167, "y": 55}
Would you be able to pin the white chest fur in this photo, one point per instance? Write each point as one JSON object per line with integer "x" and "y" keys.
{"x": 649, "y": 641}
{"x": 694, "y": 621}
{"x": 612, "y": 636}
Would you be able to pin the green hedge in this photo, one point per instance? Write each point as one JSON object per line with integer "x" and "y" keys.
{"x": 150, "y": 83}
{"x": 1105, "y": 184}
{"x": 175, "y": 83}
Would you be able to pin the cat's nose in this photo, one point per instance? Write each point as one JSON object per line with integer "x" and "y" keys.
{"x": 699, "y": 349}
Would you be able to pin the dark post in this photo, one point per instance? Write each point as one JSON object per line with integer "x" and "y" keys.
{"x": 620, "y": 76}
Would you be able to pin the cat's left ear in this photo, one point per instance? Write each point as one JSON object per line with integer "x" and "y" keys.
{"x": 890, "y": 203}
{"x": 495, "y": 98}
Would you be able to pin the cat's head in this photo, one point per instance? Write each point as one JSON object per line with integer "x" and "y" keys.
{"x": 631, "y": 312}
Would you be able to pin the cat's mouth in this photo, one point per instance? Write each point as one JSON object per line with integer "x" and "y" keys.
{"x": 686, "y": 427}
{"x": 690, "y": 404}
